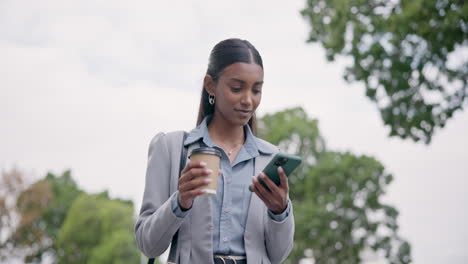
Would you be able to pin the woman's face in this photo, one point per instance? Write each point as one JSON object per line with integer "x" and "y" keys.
{"x": 238, "y": 92}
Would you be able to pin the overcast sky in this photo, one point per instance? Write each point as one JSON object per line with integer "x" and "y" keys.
{"x": 84, "y": 85}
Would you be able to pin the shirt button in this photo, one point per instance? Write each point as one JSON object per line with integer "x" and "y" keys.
{"x": 226, "y": 210}
{"x": 229, "y": 180}
{"x": 225, "y": 239}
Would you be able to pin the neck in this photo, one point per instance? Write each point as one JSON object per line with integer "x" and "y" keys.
{"x": 222, "y": 132}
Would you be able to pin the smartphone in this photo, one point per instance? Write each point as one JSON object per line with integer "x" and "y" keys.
{"x": 288, "y": 162}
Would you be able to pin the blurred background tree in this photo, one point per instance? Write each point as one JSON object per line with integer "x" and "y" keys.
{"x": 98, "y": 229}
{"x": 336, "y": 196}
{"x": 30, "y": 234}
{"x": 54, "y": 219}
{"x": 410, "y": 54}
{"x": 63, "y": 191}
{"x": 12, "y": 184}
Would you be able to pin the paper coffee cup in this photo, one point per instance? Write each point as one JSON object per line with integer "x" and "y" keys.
{"x": 211, "y": 157}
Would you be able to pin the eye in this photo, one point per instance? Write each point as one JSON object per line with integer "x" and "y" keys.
{"x": 236, "y": 89}
{"x": 257, "y": 91}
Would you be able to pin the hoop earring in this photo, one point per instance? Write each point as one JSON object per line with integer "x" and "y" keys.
{"x": 211, "y": 99}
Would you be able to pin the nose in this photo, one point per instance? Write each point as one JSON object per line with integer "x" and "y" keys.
{"x": 246, "y": 99}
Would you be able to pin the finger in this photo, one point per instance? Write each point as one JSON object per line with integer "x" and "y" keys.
{"x": 270, "y": 203}
{"x": 185, "y": 174}
{"x": 284, "y": 184}
{"x": 190, "y": 195}
{"x": 262, "y": 190}
{"x": 273, "y": 187}
{"x": 194, "y": 164}
{"x": 194, "y": 184}
{"x": 200, "y": 172}
{"x": 259, "y": 194}
{"x": 194, "y": 173}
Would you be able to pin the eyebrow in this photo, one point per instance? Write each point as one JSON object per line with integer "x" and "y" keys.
{"x": 241, "y": 81}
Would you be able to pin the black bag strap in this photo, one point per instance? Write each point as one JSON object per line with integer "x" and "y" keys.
{"x": 173, "y": 250}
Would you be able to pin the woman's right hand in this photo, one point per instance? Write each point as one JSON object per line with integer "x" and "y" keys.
{"x": 194, "y": 176}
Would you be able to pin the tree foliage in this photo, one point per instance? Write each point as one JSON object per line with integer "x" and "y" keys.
{"x": 98, "y": 230}
{"x": 336, "y": 196}
{"x": 65, "y": 191}
{"x": 42, "y": 209}
{"x": 30, "y": 206}
{"x": 12, "y": 183}
{"x": 410, "y": 54}
{"x": 54, "y": 217}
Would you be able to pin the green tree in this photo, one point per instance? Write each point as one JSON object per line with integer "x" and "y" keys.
{"x": 98, "y": 230}
{"x": 336, "y": 196}
{"x": 65, "y": 191}
{"x": 30, "y": 206}
{"x": 43, "y": 208}
{"x": 410, "y": 54}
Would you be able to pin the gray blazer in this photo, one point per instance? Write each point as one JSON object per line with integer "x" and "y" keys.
{"x": 266, "y": 241}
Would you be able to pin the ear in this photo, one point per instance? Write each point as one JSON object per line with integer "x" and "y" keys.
{"x": 209, "y": 84}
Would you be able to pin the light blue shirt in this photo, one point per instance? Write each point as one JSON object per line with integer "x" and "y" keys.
{"x": 231, "y": 203}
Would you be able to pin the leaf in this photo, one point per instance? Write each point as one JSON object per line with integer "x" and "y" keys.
{"x": 401, "y": 52}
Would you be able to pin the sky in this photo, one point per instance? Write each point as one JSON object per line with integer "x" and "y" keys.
{"x": 85, "y": 85}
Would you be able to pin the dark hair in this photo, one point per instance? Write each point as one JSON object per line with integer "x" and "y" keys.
{"x": 225, "y": 53}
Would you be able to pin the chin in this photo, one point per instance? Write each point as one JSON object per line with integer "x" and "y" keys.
{"x": 239, "y": 122}
{"x": 243, "y": 122}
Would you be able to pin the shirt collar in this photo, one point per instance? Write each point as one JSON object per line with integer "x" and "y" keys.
{"x": 252, "y": 145}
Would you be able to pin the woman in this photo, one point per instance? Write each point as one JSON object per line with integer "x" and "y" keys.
{"x": 235, "y": 225}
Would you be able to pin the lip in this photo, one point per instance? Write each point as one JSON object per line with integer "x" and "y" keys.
{"x": 244, "y": 113}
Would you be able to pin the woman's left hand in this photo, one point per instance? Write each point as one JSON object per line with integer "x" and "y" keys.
{"x": 277, "y": 199}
